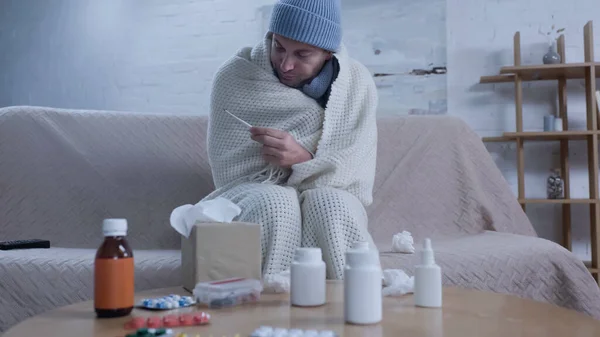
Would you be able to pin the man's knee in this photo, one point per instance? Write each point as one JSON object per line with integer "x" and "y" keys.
{"x": 336, "y": 212}
{"x": 332, "y": 202}
{"x": 265, "y": 200}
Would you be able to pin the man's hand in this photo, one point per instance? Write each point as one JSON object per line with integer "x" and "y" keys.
{"x": 279, "y": 147}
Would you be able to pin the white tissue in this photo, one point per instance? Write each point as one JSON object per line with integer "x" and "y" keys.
{"x": 219, "y": 209}
{"x": 396, "y": 282}
{"x": 403, "y": 243}
{"x": 277, "y": 283}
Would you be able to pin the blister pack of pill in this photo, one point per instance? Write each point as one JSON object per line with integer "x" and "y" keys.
{"x": 268, "y": 331}
{"x": 169, "y": 321}
{"x": 145, "y": 332}
{"x": 167, "y": 302}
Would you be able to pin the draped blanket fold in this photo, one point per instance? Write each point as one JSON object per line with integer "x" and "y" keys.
{"x": 343, "y": 136}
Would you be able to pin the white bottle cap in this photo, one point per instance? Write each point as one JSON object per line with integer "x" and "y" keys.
{"x": 308, "y": 254}
{"x": 114, "y": 227}
{"x": 361, "y": 257}
{"x": 360, "y": 245}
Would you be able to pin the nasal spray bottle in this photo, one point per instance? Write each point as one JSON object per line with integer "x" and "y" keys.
{"x": 428, "y": 279}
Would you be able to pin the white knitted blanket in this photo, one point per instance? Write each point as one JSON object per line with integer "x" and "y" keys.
{"x": 343, "y": 136}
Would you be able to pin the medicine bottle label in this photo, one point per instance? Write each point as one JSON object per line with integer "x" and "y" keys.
{"x": 113, "y": 283}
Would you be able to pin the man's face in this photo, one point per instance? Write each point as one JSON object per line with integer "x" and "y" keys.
{"x": 296, "y": 63}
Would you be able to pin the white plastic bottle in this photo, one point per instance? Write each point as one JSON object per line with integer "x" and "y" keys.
{"x": 307, "y": 278}
{"x": 428, "y": 279}
{"x": 362, "y": 287}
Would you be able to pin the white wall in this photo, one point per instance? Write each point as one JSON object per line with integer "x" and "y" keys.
{"x": 161, "y": 55}
{"x": 409, "y": 34}
{"x": 145, "y": 55}
{"x": 480, "y": 39}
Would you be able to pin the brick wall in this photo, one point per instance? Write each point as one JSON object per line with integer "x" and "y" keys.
{"x": 161, "y": 55}
{"x": 479, "y": 41}
{"x": 145, "y": 55}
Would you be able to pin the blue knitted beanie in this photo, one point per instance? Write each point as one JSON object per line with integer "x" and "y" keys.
{"x": 314, "y": 22}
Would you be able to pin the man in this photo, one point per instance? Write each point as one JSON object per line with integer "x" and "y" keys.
{"x": 305, "y": 169}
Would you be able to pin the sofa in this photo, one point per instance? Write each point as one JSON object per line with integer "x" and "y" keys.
{"x": 63, "y": 171}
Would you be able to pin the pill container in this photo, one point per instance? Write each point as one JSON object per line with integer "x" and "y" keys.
{"x": 228, "y": 292}
{"x": 307, "y": 278}
{"x": 362, "y": 287}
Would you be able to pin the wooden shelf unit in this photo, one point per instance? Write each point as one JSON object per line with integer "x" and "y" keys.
{"x": 588, "y": 70}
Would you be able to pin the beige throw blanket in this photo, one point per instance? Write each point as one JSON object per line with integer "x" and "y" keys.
{"x": 343, "y": 136}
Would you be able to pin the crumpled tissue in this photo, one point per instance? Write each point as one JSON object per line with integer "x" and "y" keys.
{"x": 219, "y": 209}
{"x": 277, "y": 283}
{"x": 403, "y": 243}
{"x": 396, "y": 282}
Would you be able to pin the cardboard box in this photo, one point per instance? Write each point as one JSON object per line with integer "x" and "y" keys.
{"x": 216, "y": 251}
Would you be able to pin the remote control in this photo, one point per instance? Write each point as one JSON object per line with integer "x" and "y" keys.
{"x": 24, "y": 244}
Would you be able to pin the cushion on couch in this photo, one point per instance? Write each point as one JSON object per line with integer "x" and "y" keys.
{"x": 36, "y": 280}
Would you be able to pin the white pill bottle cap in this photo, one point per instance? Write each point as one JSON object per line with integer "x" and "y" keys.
{"x": 360, "y": 257}
{"x": 308, "y": 255}
{"x": 114, "y": 227}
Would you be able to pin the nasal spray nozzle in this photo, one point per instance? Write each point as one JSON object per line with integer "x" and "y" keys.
{"x": 427, "y": 256}
{"x": 428, "y": 279}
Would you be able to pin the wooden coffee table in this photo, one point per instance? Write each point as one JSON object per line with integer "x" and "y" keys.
{"x": 464, "y": 313}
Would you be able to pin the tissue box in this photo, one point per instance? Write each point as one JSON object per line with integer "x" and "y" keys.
{"x": 216, "y": 251}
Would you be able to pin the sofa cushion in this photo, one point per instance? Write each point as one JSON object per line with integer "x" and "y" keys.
{"x": 64, "y": 171}
{"x": 521, "y": 265}
{"x": 36, "y": 280}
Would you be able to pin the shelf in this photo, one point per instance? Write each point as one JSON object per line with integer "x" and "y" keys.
{"x": 543, "y": 72}
{"x": 541, "y": 135}
{"x": 497, "y": 79}
{"x": 588, "y": 70}
{"x": 551, "y": 135}
{"x": 498, "y": 139}
{"x": 558, "y": 201}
